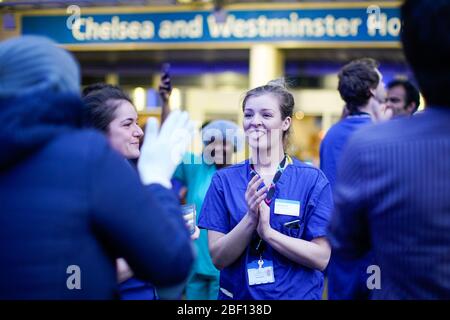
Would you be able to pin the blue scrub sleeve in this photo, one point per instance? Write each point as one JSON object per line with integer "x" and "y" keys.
{"x": 143, "y": 224}
{"x": 214, "y": 214}
{"x": 319, "y": 209}
{"x": 349, "y": 228}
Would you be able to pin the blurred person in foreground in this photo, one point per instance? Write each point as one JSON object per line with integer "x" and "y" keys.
{"x": 70, "y": 203}
{"x": 392, "y": 189}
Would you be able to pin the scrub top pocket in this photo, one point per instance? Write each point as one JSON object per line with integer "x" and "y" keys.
{"x": 292, "y": 227}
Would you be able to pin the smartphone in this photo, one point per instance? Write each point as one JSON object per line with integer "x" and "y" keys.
{"x": 165, "y": 83}
{"x": 295, "y": 224}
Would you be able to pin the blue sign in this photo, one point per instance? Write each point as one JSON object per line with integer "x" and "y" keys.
{"x": 303, "y": 25}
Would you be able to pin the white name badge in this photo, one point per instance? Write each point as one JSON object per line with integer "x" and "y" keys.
{"x": 260, "y": 272}
{"x": 287, "y": 207}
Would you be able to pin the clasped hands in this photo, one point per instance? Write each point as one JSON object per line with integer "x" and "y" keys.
{"x": 258, "y": 211}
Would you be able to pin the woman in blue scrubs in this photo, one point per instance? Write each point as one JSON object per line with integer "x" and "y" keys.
{"x": 267, "y": 217}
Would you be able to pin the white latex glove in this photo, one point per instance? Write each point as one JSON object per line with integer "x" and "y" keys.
{"x": 162, "y": 151}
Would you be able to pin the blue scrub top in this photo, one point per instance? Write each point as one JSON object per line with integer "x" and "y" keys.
{"x": 335, "y": 141}
{"x": 225, "y": 206}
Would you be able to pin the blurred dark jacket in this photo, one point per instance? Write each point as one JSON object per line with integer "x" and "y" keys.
{"x": 67, "y": 199}
{"x": 392, "y": 196}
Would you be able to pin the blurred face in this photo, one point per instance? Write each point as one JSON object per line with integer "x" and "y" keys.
{"x": 380, "y": 91}
{"x": 379, "y": 97}
{"x": 263, "y": 125}
{"x": 124, "y": 132}
{"x": 396, "y": 101}
{"x": 218, "y": 152}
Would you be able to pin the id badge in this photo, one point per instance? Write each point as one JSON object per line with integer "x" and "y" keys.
{"x": 287, "y": 207}
{"x": 260, "y": 272}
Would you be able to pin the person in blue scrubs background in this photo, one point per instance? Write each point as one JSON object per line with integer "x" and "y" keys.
{"x": 267, "y": 217}
{"x": 361, "y": 87}
{"x": 221, "y": 138}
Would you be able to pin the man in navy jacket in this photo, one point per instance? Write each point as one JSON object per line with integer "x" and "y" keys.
{"x": 393, "y": 184}
{"x": 69, "y": 204}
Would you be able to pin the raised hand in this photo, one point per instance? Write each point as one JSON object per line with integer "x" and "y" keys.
{"x": 165, "y": 85}
{"x": 165, "y": 89}
{"x": 163, "y": 149}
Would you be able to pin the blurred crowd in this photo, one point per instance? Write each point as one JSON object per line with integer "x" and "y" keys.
{"x": 95, "y": 207}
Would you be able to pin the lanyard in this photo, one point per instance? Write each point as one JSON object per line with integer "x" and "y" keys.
{"x": 257, "y": 245}
{"x": 271, "y": 190}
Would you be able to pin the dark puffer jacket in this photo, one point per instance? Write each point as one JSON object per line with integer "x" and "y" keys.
{"x": 69, "y": 205}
